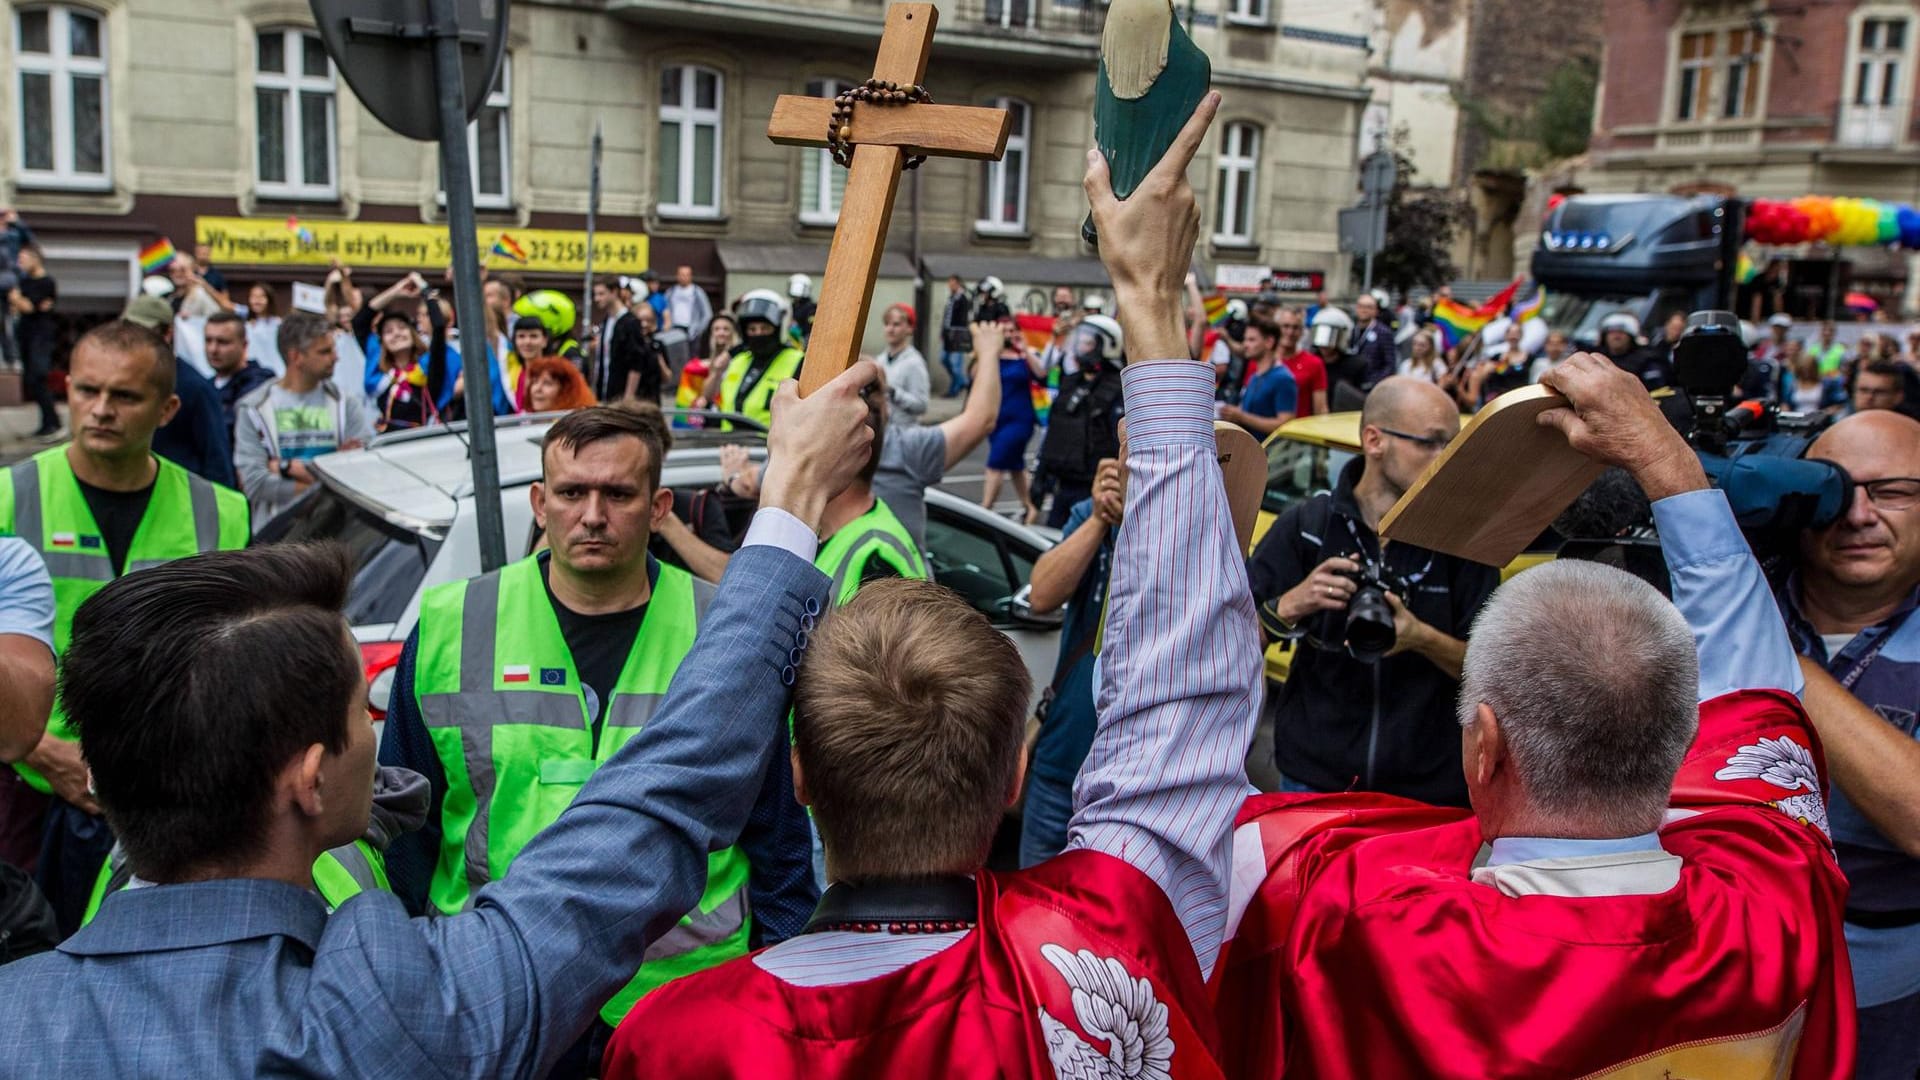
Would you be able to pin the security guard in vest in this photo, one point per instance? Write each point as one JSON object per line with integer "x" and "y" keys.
{"x": 339, "y": 874}
{"x": 860, "y": 538}
{"x": 95, "y": 508}
{"x": 752, "y": 376}
{"x": 516, "y": 685}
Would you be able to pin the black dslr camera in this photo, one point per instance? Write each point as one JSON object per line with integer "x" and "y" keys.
{"x": 1370, "y": 631}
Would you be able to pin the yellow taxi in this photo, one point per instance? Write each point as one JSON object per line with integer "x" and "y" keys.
{"x": 1304, "y": 458}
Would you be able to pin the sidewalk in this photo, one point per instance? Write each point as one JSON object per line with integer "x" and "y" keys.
{"x": 16, "y": 432}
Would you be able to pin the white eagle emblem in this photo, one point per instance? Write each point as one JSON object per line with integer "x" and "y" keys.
{"x": 1784, "y": 764}
{"x": 1110, "y": 1004}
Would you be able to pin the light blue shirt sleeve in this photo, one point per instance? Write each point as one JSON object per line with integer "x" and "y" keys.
{"x": 1718, "y": 587}
{"x": 26, "y": 592}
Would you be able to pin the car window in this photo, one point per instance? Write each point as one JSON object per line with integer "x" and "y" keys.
{"x": 389, "y": 562}
{"x": 976, "y": 561}
{"x": 1295, "y": 471}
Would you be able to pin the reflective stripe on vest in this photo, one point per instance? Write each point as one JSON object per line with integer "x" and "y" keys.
{"x": 759, "y": 404}
{"x": 508, "y": 717}
{"x": 876, "y": 534}
{"x": 338, "y": 876}
{"x": 41, "y": 502}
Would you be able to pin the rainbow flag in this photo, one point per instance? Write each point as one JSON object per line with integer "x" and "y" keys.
{"x": 1215, "y": 307}
{"x": 1744, "y": 269}
{"x": 1532, "y": 308}
{"x": 505, "y": 247}
{"x": 1458, "y": 322}
{"x": 300, "y": 232}
{"x": 155, "y": 256}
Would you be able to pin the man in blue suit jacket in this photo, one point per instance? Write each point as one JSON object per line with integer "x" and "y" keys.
{"x": 223, "y": 713}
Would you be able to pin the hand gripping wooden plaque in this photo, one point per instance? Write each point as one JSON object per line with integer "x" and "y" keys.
{"x": 1497, "y": 486}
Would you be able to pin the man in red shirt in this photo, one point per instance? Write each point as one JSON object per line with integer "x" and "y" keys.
{"x": 1309, "y": 372}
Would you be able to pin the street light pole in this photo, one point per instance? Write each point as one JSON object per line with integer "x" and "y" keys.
{"x": 457, "y": 177}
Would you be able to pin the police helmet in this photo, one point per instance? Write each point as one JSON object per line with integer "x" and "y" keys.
{"x": 799, "y": 286}
{"x": 1331, "y": 328}
{"x": 1236, "y": 310}
{"x": 1621, "y": 320}
{"x": 1098, "y": 335}
{"x": 552, "y": 307}
{"x": 991, "y": 287}
{"x": 761, "y": 305}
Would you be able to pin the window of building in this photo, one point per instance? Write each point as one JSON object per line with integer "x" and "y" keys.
{"x": 1010, "y": 14}
{"x": 1253, "y": 12}
{"x": 1696, "y": 74}
{"x": 1743, "y": 75}
{"x": 821, "y": 181}
{"x": 295, "y": 145}
{"x": 1003, "y": 183}
{"x": 490, "y": 146}
{"x": 1874, "y": 102}
{"x": 1876, "y": 69}
{"x": 1239, "y": 164}
{"x": 689, "y": 145}
{"x": 61, "y": 135}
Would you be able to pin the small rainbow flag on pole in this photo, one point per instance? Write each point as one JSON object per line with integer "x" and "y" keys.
{"x": 1744, "y": 269}
{"x": 505, "y": 247}
{"x": 1457, "y": 321}
{"x": 1532, "y": 308}
{"x": 1215, "y": 307}
{"x": 300, "y": 232}
{"x": 155, "y": 256}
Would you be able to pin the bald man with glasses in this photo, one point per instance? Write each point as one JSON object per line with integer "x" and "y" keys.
{"x": 1361, "y": 722}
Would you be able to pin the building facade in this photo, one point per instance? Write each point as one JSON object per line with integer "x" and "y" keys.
{"x": 1769, "y": 100}
{"x": 130, "y": 120}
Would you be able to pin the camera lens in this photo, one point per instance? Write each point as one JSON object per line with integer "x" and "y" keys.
{"x": 1370, "y": 633}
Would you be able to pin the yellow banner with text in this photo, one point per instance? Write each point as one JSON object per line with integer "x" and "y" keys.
{"x": 293, "y": 242}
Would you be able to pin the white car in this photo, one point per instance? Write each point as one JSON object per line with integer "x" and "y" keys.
{"x": 404, "y": 509}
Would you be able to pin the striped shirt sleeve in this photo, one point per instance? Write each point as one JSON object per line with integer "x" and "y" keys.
{"x": 1181, "y": 672}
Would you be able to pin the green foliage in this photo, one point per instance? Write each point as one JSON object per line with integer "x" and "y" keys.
{"x": 1420, "y": 228}
{"x": 1563, "y": 117}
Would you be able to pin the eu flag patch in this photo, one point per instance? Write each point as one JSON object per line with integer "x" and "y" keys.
{"x": 553, "y": 676}
{"x": 89, "y": 541}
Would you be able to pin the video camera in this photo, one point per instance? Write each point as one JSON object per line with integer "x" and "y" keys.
{"x": 1752, "y": 450}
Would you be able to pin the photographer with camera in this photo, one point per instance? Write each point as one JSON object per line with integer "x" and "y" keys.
{"x": 1848, "y": 606}
{"x": 1380, "y": 627}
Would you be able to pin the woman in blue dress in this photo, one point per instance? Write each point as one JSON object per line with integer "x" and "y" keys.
{"x": 1013, "y": 429}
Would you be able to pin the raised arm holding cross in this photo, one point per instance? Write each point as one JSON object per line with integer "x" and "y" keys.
{"x": 884, "y": 136}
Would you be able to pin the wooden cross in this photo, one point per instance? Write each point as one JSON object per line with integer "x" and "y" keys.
{"x": 884, "y": 136}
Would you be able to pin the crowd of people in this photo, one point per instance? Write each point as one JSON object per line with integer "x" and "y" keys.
{"x": 630, "y": 818}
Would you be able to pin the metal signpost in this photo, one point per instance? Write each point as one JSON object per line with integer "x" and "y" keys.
{"x": 1363, "y": 228}
{"x": 593, "y": 210}
{"x": 378, "y": 45}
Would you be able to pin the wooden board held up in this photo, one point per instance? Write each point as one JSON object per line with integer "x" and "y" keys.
{"x": 1496, "y": 487}
{"x": 1243, "y": 469}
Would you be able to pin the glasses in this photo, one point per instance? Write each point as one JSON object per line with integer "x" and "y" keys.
{"x": 1426, "y": 442}
{"x": 1893, "y": 493}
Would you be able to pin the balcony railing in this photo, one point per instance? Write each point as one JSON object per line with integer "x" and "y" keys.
{"x": 1026, "y": 16}
{"x": 1869, "y": 125}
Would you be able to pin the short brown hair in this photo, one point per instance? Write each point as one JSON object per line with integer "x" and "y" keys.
{"x": 909, "y": 717}
{"x": 584, "y": 427}
{"x": 1267, "y": 327}
{"x": 131, "y": 339}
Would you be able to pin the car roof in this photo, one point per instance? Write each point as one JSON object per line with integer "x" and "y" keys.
{"x": 1341, "y": 429}
{"x": 417, "y": 478}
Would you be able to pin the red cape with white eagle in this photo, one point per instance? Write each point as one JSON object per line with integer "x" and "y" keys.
{"x": 1366, "y": 951}
{"x": 1078, "y": 969}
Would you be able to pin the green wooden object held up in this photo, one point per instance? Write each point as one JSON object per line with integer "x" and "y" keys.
{"x": 1152, "y": 77}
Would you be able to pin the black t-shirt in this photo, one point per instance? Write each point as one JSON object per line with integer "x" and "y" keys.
{"x": 36, "y": 327}
{"x": 599, "y": 645}
{"x": 118, "y": 513}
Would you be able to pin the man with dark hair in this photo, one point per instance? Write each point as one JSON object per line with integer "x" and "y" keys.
{"x": 956, "y": 341}
{"x": 95, "y": 508}
{"x": 618, "y": 345}
{"x": 287, "y": 423}
{"x": 1879, "y": 385}
{"x": 586, "y": 635}
{"x": 908, "y": 744}
{"x": 226, "y": 952}
{"x": 235, "y": 375}
{"x": 31, "y": 303}
{"x": 1272, "y": 397}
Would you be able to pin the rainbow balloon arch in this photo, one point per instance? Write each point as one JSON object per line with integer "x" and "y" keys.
{"x": 1837, "y": 221}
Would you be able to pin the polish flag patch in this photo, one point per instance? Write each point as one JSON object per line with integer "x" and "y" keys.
{"x": 64, "y": 540}
{"x": 516, "y": 673}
